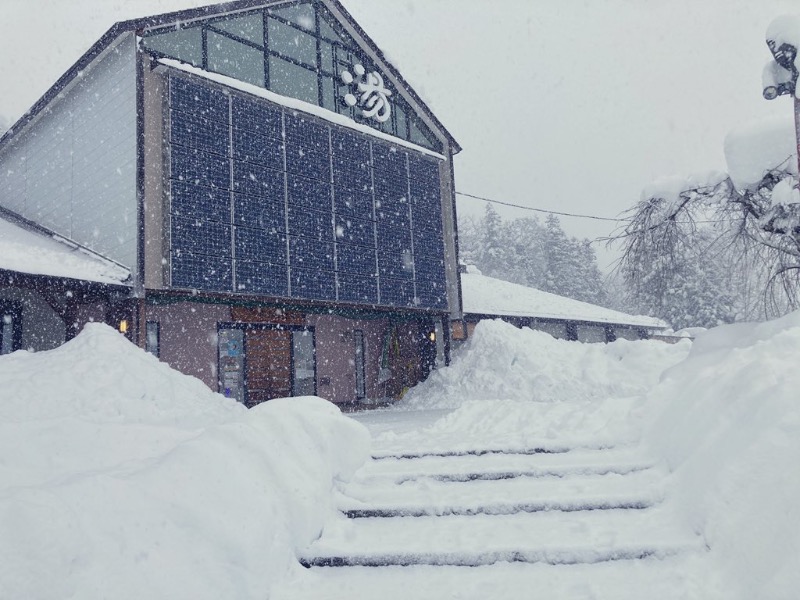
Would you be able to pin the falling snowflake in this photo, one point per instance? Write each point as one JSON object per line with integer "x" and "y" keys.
{"x": 373, "y": 95}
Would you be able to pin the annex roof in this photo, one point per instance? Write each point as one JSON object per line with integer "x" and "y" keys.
{"x": 26, "y": 248}
{"x": 137, "y": 25}
{"x": 488, "y": 296}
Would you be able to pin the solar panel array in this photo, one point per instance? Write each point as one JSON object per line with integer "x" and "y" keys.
{"x": 265, "y": 201}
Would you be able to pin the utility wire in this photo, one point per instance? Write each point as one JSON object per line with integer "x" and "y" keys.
{"x": 540, "y": 210}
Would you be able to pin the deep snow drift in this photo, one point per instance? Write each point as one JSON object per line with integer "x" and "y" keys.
{"x": 519, "y": 388}
{"x": 727, "y": 420}
{"x": 724, "y": 417}
{"x": 121, "y": 478}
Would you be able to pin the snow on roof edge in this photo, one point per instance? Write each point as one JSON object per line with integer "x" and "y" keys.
{"x": 30, "y": 249}
{"x": 293, "y": 103}
{"x": 483, "y": 295}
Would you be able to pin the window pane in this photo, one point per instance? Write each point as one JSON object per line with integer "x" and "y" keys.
{"x": 418, "y": 135}
{"x": 400, "y": 116}
{"x": 328, "y": 94}
{"x": 236, "y": 60}
{"x": 6, "y": 334}
{"x": 290, "y": 80}
{"x": 152, "y": 338}
{"x": 292, "y": 42}
{"x": 183, "y": 44}
{"x": 250, "y": 27}
{"x": 328, "y": 32}
{"x": 326, "y": 50}
{"x": 300, "y": 14}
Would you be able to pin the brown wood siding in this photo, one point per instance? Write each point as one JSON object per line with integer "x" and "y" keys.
{"x": 269, "y": 364}
{"x": 278, "y": 316}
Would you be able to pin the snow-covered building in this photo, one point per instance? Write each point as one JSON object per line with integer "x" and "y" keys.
{"x": 250, "y": 191}
{"x": 563, "y": 318}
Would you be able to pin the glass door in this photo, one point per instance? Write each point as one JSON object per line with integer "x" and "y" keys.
{"x": 361, "y": 375}
{"x": 231, "y": 364}
{"x": 304, "y": 364}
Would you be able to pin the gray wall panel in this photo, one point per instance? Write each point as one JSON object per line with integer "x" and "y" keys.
{"x": 73, "y": 169}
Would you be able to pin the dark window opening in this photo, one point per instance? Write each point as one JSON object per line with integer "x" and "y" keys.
{"x": 10, "y": 327}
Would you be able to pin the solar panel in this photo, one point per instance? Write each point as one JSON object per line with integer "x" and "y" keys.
{"x": 197, "y": 271}
{"x": 262, "y": 278}
{"x": 316, "y": 211}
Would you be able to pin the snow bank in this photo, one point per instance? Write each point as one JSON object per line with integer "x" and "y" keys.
{"x": 754, "y": 149}
{"x": 728, "y": 422}
{"x": 503, "y": 362}
{"x": 519, "y": 388}
{"x": 120, "y": 478}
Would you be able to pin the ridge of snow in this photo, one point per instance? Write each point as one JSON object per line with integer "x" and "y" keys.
{"x": 295, "y": 104}
{"x": 122, "y": 478}
{"x": 755, "y": 148}
{"x": 670, "y": 187}
{"x": 485, "y": 295}
{"x": 26, "y": 251}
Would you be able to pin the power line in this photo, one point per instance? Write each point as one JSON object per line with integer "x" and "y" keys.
{"x": 540, "y": 210}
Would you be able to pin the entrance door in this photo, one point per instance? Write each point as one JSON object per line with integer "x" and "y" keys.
{"x": 269, "y": 363}
{"x": 304, "y": 381}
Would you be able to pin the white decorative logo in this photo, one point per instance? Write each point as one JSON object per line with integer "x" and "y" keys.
{"x": 373, "y": 95}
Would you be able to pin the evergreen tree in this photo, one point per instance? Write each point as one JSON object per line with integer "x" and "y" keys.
{"x": 492, "y": 252}
{"x": 527, "y": 252}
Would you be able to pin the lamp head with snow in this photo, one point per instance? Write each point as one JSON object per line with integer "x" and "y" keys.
{"x": 780, "y": 76}
{"x": 773, "y": 91}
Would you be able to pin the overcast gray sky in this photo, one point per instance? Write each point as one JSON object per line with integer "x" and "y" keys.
{"x": 569, "y": 105}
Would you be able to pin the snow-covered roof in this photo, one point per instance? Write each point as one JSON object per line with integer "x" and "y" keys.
{"x": 484, "y": 295}
{"x": 25, "y": 250}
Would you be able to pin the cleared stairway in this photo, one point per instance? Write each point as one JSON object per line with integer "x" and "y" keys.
{"x": 537, "y": 523}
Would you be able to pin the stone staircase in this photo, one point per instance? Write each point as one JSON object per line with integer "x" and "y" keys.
{"x": 549, "y": 523}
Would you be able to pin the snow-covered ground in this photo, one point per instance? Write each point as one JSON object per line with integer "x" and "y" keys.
{"x": 121, "y": 478}
{"x": 553, "y": 469}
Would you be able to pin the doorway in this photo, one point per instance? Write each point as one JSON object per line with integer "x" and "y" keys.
{"x": 261, "y": 362}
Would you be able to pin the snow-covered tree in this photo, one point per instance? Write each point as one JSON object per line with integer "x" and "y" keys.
{"x": 492, "y": 251}
{"x": 696, "y": 252}
{"x": 527, "y": 252}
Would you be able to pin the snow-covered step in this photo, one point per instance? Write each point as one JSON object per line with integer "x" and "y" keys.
{"x": 449, "y": 453}
{"x": 654, "y": 579}
{"x": 381, "y": 497}
{"x": 574, "y": 462}
{"x": 551, "y": 537}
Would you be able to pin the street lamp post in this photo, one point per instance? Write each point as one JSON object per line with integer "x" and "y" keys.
{"x": 780, "y": 78}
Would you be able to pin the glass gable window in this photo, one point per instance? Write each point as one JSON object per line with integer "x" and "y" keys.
{"x": 297, "y": 50}
{"x": 289, "y": 79}
{"x": 292, "y": 42}
{"x": 250, "y": 28}
{"x": 234, "y": 59}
